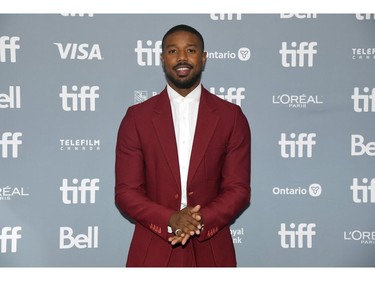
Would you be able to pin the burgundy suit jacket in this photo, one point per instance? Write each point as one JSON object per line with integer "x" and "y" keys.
{"x": 148, "y": 187}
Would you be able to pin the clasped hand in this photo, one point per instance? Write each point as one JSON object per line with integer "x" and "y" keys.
{"x": 189, "y": 221}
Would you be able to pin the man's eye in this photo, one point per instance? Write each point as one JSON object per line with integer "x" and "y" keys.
{"x": 192, "y": 51}
{"x": 173, "y": 51}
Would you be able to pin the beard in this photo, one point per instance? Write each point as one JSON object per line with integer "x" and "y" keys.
{"x": 183, "y": 83}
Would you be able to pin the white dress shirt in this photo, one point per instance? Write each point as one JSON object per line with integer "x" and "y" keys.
{"x": 184, "y": 113}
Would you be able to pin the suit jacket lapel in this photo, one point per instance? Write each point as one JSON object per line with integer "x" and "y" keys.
{"x": 163, "y": 123}
{"x": 206, "y": 124}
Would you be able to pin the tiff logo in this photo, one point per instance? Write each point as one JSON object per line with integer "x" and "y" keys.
{"x": 83, "y": 95}
{"x": 11, "y": 100}
{"x": 296, "y": 238}
{"x": 296, "y": 54}
{"x": 10, "y": 140}
{"x": 148, "y": 55}
{"x": 233, "y": 95}
{"x": 226, "y": 16}
{"x": 12, "y": 235}
{"x": 301, "y": 143}
{"x": 79, "y": 193}
{"x": 362, "y": 193}
{"x": 8, "y": 43}
{"x": 364, "y": 102}
{"x": 79, "y": 51}
{"x": 365, "y": 16}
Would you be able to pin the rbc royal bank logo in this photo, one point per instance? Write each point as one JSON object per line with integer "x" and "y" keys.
{"x": 363, "y": 192}
{"x": 79, "y": 192}
{"x": 299, "y": 146}
{"x": 9, "y": 144}
{"x": 12, "y": 100}
{"x": 298, "y": 55}
{"x": 79, "y": 99}
{"x": 8, "y": 47}
{"x": 75, "y": 51}
{"x": 365, "y": 101}
{"x": 142, "y": 95}
{"x": 298, "y": 236}
{"x": 9, "y": 237}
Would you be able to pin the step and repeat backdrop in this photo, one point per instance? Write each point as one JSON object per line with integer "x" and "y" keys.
{"x": 306, "y": 83}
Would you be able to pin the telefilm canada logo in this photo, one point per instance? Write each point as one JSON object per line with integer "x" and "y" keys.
{"x": 363, "y": 53}
{"x": 79, "y": 144}
{"x": 314, "y": 190}
{"x": 8, "y": 192}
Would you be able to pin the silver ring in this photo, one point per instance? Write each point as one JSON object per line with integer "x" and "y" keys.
{"x": 178, "y": 232}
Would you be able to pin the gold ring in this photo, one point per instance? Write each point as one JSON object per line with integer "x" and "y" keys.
{"x": 178, "y": 232}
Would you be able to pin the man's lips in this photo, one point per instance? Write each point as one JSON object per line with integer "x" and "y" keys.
{"x": 183, "y": 70}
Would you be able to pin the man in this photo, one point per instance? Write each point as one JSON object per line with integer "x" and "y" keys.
{"x": 183, "y": 165}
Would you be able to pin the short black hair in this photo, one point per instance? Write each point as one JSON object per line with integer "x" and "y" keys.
{"x": 186, "y": 28}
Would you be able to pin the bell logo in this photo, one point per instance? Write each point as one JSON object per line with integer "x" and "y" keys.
{"x": 11, "y": 100}
{"x": 11, "y": 235}
{"x": 359, "y": 148}
{"x": 75, "y": 51}
{"x": 80, "y": 241}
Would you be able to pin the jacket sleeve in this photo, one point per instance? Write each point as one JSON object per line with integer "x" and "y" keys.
{"x": 234, "y": 190}
{"x": 130, "y": 194}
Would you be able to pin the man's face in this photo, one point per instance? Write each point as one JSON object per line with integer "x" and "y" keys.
{"x": 183, "y": 61}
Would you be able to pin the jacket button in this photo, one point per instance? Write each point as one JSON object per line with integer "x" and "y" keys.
{"x": 176, "y": 196}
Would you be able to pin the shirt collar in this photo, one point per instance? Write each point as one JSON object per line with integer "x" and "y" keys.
{"x": 193, "y": 95}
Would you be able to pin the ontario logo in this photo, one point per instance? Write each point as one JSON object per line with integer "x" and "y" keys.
{"x": 242, "y": 54}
